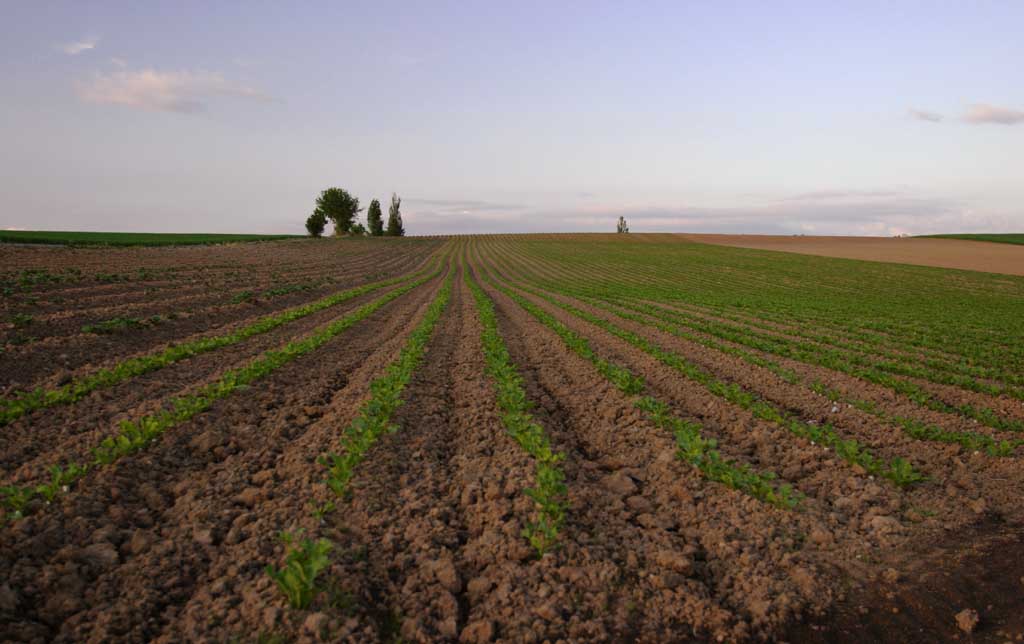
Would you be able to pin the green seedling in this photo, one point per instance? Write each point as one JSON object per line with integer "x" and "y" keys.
{"x": 304, "y": 561}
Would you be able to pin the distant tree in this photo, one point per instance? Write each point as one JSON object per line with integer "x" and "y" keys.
{"x": 374, "y": 219}
{"x": 358, "y": 229}
{"x": 621, "y": 227}
{"x": 395, "y": 227}
{"x": 315, "y": 223}
{"x": 338, "y": 206}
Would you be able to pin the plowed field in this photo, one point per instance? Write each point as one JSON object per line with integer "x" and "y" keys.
{"x": 516, "y": 438}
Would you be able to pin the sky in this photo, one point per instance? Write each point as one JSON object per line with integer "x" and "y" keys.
{"x": 860, "y": 118}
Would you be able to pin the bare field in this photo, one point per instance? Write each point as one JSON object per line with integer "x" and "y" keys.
{"x": 506, "y": 438}
{"x": 944, "y": 253}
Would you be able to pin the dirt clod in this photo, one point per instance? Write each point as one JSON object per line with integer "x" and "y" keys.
{"x": 967, "y": 620}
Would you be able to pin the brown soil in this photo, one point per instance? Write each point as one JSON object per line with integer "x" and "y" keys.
{"x": 61, "y": 343}
{"x": 945, "y": 253}
{"x": 121, "y": 554}
{"x": 170, "y": 543}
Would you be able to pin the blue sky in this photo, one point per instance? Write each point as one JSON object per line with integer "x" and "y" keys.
{"x": 799, "y": 117}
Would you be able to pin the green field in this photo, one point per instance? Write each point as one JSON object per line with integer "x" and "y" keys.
{"x": 126, "y": 239}
{"x": 1002, "y": 238}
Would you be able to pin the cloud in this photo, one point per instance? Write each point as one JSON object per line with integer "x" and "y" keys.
{"x": 149, "y": 89}
{"x": 878, "y": 212}
{"x": 822, "y": 195}
{"x": 924, "y": 115}
{"x": 982, "y": 113}
{"x": 75, "y": 48}
{"x": 459, "y": 206}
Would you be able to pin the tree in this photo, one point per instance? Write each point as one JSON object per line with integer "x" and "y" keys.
{"x": 315, "y": 223}
{"x": 338, "y": 206}
{"x": 621, "y": 227}
{"x": 358, "y": 229}
{"x": 374, "y": 219}
{"x": 395, "y": 228}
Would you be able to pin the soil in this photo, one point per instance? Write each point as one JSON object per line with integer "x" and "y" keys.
{"x": 171, "y": 543}
{"x": 945, "y": 253}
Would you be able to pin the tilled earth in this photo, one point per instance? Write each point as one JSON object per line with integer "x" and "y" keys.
{"x": 170, "y": 543}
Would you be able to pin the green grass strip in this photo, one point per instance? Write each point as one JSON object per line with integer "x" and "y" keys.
{"x": 40, "y": 398}
{"x": 136, "y": 435}
{"x": 374, "y": 416}
{"x": 693, "y": 448}
{"x": 898, "y": 471}
{"x": 550, "y": 492}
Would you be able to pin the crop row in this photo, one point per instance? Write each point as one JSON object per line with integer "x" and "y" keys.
{"x": 549, "y": 495}
{"x": 188, "y": 301}
{"x": 374, "y": 416}
{"x": 912, "y": 427}
{"x": 933, "y": 365}
{"x": 40, "y": 398}
{"x": 693, "y": 447}
{"x": 959, "y": 373}
{"x": 134, "y": 435}
{"x": 809, "y": 354}
{"x": 898, "y": 470}
{"x": 306, "y": 558}
{"x": 640, "y": 298}
{"x": 858, "y": 295}
{"x": 924, "y": 370}
{"x": 659, "y": 316}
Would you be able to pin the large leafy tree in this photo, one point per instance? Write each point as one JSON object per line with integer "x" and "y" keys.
{"x": 315, "y": 223}
{"x": 375, "y": 219}
{"x": 395, "y": 227}
{"x": 338, "y": 206}
{"x": 622, "y": 227}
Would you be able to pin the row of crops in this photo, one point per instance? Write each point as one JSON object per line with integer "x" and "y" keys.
{"x": 793, "y": 386}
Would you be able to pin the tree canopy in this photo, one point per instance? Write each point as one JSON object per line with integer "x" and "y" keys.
{"x": 338, "y": 206}
{"x": 375, "y": 219}
{"x": 395, "y": 227}
{"x": 315, "y": 223}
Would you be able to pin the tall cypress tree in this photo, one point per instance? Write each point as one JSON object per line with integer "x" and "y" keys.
{"x": 395, "y": 227}
{"x": 374, "y": 219}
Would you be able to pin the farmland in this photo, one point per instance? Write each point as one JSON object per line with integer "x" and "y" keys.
{"x": 526, "y": 438}
{"x": 126, "y": 239}
{"x": 1008, "y": 238}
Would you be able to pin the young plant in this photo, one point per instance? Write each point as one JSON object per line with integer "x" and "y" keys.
{"x": 114, "y": 325}
{"x": 61, "y": 479}
{"x": 303, "y": 562}
{"x": 244, "y": 296}
{"x": 15, "y": 499}
{"x": 385, "y": 397}
{"x": 549, "y": 493}
{"x": 134, "y": 435}
{"x": 21, "y": 320}
{"x": 39, "y": 398}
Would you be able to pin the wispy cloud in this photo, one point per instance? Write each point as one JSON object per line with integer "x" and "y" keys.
{"x": 149, "y": 89}
{"x": 982, "y": 113}
{"x": 77, "y": 47}
{"x": 924, "y": 115}
{"x": 881, "y": 212}
{"x": 823, "y": 195}
{"x": 461, "y": 206}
